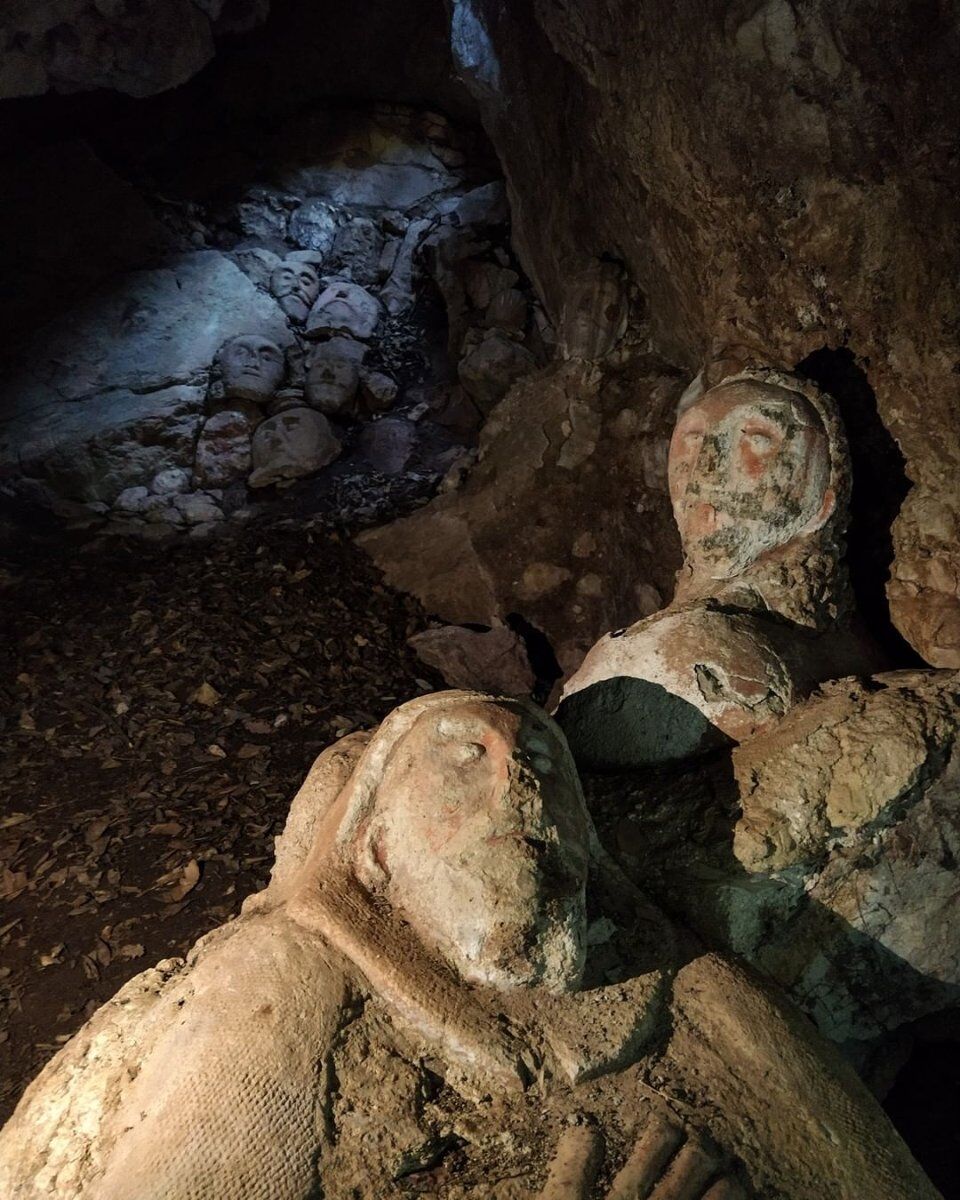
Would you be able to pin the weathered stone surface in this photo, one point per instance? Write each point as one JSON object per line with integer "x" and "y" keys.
{"x": 476, "y": 953}
{"x": 489, "y": 370}
{"x": 388, "y": 444}
{"x": 833, "y": 227}
{"x": 759, "y": 476}
{"x": 375, "y": 161}
{"x": 520, "y": 535}
{"x": 223, "y": 449}
{"x": 314, "y": 226}
{"x": 850, "y": 837}
{"x": 356, "y": 251}
{"x": 154, "y": 329}
{"x": 79, "y": 45}
{"x": 292, "y": 444}
{"x": 344, "y": 308}
{"x": 493, "y": 660}
{"x": 378, "y": 391}
{"x": 93, "y": 451}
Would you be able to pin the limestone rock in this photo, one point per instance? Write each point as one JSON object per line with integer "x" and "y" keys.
{"x": 77, "y": 46}
{"x": 494, "y": 660}
{"x": 92, "y": 451}
{"x": 489, "y": 371}
{"x": 170, "y": 481}
{"x": 154, "y": 329}
{"x": 223, "y": 449}
{"x": 377, "y": 390}
{"x": 388, "y": 444}
{"x": 292, "y": 444}
{"x": 850, "y": 836}
{"x": 521, "y": 536}
{"x": 314, "y": 226}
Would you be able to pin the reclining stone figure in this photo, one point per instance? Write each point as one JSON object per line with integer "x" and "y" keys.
{"x": 448, "y": 981}
{"x": 759, "y": 478}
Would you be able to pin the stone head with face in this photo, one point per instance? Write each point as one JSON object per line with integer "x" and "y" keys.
{"x": 344, "y": 307}
{"x": 752, "y": 468}
{"x": 251, "y": 367}
{"x": 296, "y": 286}
{"x": 469, "y": 820}
{"x": 332, "y": 382}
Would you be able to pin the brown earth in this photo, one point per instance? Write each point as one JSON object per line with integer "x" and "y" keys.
{"x": 159, "y": 707}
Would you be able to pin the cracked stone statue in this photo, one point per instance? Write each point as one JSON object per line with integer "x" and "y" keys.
{"x": 344, "y": 307}
{"x": 296, "y": 286}
{"x": 448, "y": 986}
{"x": 759, "y": 477}
{"x": 251, "y": 368}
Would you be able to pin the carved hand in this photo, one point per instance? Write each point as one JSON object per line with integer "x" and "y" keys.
{"x": 665, "y": 1164}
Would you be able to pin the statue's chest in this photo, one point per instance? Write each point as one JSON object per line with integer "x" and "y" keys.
{"x": 395, "y": 1128}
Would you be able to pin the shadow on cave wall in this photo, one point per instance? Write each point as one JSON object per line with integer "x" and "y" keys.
{"x": 880, "y": 486}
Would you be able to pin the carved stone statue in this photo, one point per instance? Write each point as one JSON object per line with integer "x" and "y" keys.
{"x": 344, "y": 307}
{"x": 251, "y": 368}
{"x": 332, "y": 381}
{"x": 296, "y": 285}
{"x": 759, "y": 479}
{"x": 448, "y": 985}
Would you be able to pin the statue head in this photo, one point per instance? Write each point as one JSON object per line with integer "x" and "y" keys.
{"x": 755, "y": 465}
{"x": 344, "y": 307}
{"x": 251, "y": 367}
{"x": 465, "y": 814}
{"x": 332, "y": 382}
{"x": 296, "y": 285}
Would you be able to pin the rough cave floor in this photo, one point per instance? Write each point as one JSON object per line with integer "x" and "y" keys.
{"x": 166, "y": 703}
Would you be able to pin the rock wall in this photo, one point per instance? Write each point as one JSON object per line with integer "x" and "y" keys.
{"x": 778, "y": 177}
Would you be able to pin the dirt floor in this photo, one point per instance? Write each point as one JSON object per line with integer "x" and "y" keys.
{"x": 159, "y": 706}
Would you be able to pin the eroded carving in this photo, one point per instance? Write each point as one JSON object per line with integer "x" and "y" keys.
{"x": 759, "y": 479}
{"x": 296, "y": 285}
{"x": 446, "y": 959}
{"x": 251, "y": 368}
{"x": 344, "y": 307}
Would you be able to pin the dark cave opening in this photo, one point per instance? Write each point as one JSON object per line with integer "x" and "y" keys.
{"x": 880, "y": 486}
{"x": 924, "y": 1105}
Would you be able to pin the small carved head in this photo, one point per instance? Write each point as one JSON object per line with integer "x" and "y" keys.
{"x": 344, "y": 307}
{"x": 296, "y": 286}
{"x": 332, "y": 383}
{"x": 751, "y": 469}
{"x": 252, "y": 368}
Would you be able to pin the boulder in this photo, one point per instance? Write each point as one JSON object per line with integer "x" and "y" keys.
{"x": 489, "y": 371}
{"x": 314, "y": 226}
{"x": 492, "y": 660}
{"x": 153, "y": 329}
{"x": 290, "y": 445}
{"x": 92, "y": 451}
{"x": 388, "y": 445}
{"x": 564, "y": 520}
{"x": 850, "y": 839}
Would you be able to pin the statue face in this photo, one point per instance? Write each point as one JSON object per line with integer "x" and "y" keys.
{"x": 332, "y": 383}
{"x": 296, "y": 285}
{"x": 252, "y": 368}
{"x": 749, "y": 471}
{"x": 345, "y": 307}
{"x": 483, "y": 836}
